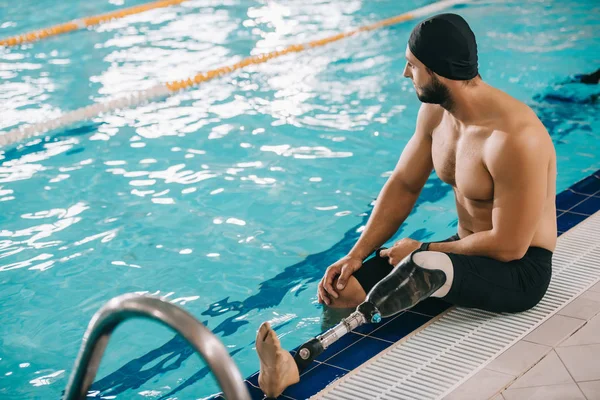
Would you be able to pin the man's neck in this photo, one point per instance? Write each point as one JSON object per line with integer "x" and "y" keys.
{"x": 468, "y": 102}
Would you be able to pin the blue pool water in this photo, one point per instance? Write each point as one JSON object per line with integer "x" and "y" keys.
{"x": 229, "y": 199}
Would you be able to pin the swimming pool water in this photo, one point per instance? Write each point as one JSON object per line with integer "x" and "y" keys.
{"x": 229, "y": 199}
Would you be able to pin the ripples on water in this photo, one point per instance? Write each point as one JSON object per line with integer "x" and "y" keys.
{"x": 231, "y": 198}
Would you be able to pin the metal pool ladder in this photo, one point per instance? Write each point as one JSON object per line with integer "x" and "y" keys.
{"x": 128, "y": 306}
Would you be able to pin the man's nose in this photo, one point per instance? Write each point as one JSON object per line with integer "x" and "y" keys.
{"x": 406, "y": 72}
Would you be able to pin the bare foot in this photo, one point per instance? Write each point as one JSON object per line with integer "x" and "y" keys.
{"x": 278, "y": 369}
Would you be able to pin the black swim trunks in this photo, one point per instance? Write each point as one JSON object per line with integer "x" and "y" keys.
{"x": 483, "y": 282}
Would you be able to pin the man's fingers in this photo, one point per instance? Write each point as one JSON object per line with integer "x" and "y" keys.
{"x": 323, "y": 295}
{"x": 343, "y": 279}
{"x": 384, "y": 253}
{"x": 320, "y": 291}
{"x": 328, "y": 287}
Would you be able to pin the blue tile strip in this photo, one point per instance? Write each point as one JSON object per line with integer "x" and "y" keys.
{"x": 568, "y": 199}
{"x": 573, "y": 206}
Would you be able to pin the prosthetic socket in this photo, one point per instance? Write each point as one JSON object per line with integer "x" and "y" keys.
{"x": 402, "y": 288}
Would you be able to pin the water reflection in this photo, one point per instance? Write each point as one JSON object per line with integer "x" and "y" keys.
{"x": 203, "y": 175}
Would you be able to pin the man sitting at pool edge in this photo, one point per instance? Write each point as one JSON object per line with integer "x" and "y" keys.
{"x": 501, "y": 163}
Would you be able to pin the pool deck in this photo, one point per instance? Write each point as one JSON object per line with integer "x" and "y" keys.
{"x": 559, "y": 360}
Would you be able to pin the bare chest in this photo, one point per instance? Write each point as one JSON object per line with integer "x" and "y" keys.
{"x": 458, "y": 161}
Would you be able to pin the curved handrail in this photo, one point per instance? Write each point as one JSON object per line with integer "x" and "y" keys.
{"x": 127, "y": 306}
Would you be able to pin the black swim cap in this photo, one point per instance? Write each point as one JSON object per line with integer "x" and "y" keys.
{"x": 446, "y": 45}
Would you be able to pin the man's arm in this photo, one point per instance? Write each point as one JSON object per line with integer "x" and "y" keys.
{"x": 519, "y": 167}
{"x": 399, "y": 194}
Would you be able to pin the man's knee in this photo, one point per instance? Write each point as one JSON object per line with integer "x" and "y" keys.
{"x": 351, "y": 296}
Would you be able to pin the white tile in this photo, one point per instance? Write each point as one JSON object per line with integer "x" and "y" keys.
{"x": 556, "y": 329}
{"x": 497, "y": 397}
{"x": 585, "y": 306}
{"x": 549, "y": 371}
{"x": 569, "y": 391}
{"x": 591, "y": 390}
{"x": 481, "y": 386}
{"x": 595, "y": 288}
{"x": 589, "y": 334}
{"x": 592, "y": 295}
{"x": 519, "y": 358}
{"x": 583, "y": 362}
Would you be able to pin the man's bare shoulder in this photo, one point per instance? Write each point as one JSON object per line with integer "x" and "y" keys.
{"x": 526, "y": 139}
{"x": 515, "y": 130}
{"x": 430, "y": 116}
{"x": 512, "y": 120}
{"x": 514, "y": 116}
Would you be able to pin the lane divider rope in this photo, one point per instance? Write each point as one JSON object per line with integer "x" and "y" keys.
{"x": 82, "y": 23}
{"x": 163, "y": 90}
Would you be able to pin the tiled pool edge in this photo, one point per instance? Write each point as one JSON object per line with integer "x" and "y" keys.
{"x": 573, "y": 205}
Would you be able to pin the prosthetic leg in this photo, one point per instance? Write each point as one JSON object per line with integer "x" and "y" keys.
{"x": 402, "y": 288}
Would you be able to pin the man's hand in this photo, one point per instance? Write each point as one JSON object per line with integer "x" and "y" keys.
{"x": 344, "y": 267}
{"x": 400, "y": 250}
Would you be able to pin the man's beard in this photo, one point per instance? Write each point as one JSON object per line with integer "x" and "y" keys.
{"x": 435, "y": 93}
